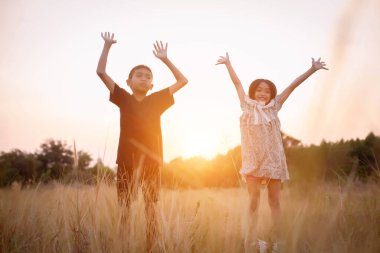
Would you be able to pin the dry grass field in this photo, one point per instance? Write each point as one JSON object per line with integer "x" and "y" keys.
{"x": 78, "y": 218}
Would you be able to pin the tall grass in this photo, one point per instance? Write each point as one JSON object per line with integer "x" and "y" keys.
{"x": 78, "y": 218}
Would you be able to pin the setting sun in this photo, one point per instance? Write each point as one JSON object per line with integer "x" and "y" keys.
{"x": 199, "y": 145}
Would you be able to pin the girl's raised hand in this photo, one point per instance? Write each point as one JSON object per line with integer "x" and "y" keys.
{"x": 160, "y": 51}
{"x": 223, "y": 60}
{"x": 108, "y": 38}
{"x": 317, "y": 65}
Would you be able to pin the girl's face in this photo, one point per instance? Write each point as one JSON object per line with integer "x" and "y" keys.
{"x": 262, "y": 93}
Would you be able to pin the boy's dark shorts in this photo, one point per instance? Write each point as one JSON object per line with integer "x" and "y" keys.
{"x": 130, "y": 177}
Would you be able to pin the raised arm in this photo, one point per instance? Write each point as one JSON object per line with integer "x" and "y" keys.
{"x": 101, "y": 70}
{"x": 161, "y": 53}
{"x": 315, "y": 66}
{"x": 239, "y": 88}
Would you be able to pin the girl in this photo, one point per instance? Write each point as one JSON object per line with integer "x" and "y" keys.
{"x": 262, "y": 151}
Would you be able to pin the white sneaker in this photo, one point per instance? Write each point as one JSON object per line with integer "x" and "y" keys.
{"x": 262, "y": 245}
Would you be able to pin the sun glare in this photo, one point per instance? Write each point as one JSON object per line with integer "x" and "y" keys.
{"x": 198, "y": 145}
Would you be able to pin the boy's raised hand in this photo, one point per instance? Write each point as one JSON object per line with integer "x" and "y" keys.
{"x": 318, "y": 64}
{"x": 160, "y": 51}
{"x": 108, "y": 38}
{"x": 223, "y": 60}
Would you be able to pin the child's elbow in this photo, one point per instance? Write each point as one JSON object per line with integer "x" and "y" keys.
{"x": 184, "y": 81}
{"x": 100, "y": 73}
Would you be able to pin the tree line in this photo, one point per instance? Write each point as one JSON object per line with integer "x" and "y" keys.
{"x": 55, "y": 160}
{"x": 328, "y": 161}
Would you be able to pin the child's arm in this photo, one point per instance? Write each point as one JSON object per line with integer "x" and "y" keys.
{"x": 161, "y": 53}
{"x": 101, "y": 70}
{"x": 233, "y": 76}
{"x": 316, "y": 65}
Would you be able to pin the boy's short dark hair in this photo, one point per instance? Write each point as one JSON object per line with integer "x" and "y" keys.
{"x": 255, "y": 84}
{"x": 141, "y": 66}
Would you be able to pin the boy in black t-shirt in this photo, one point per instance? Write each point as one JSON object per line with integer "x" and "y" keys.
{"x": 139, "y": 155}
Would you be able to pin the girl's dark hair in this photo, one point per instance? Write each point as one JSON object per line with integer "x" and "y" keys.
{"x": 255, "y": 84}
{"x": 138, "y": 67}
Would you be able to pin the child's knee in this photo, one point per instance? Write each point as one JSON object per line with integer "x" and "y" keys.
{"x": 254, "y": 203}
{"x": 274, "y": 201}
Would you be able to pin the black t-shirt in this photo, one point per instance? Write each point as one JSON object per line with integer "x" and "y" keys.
{"x": 140, "y": 125}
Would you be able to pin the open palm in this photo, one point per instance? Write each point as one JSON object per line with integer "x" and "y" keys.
{"x": 108, "y": 38}
{"x": 160, "y": 51}
{"x": 223, "y": 60}
{"x": 318, "y": 64}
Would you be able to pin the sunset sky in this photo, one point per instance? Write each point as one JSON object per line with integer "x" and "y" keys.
{"x": 49, "y": 52}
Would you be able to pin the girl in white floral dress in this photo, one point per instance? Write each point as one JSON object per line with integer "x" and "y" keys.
{"x": 262, "y": 151}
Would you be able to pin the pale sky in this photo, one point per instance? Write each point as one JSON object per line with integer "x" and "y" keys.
{"x": 49, "y": 52}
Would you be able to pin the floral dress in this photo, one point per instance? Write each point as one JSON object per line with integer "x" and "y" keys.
{"x": 262, "y": 149}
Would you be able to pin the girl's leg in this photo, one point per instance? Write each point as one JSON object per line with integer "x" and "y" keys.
{"x": 253, "y": 185}
{"x": 274, "y": 188}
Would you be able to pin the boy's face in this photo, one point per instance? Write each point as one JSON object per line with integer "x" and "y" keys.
{"x": 141, "y": 80}
{"x": 263, "y": 93}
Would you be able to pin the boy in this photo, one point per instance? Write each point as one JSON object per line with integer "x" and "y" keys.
{"x": 139, "y": 156}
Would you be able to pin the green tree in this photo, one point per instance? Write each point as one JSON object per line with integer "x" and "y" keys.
{"x": 363, "y": 156}
{"x": 17, "y": 166}
{"x": 102, "y": 173}
{"x": 84, "y": 160}
{"x": 56, "y": 160}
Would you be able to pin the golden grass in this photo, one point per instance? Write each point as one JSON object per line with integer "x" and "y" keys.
{"x": 77, "y": 218}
